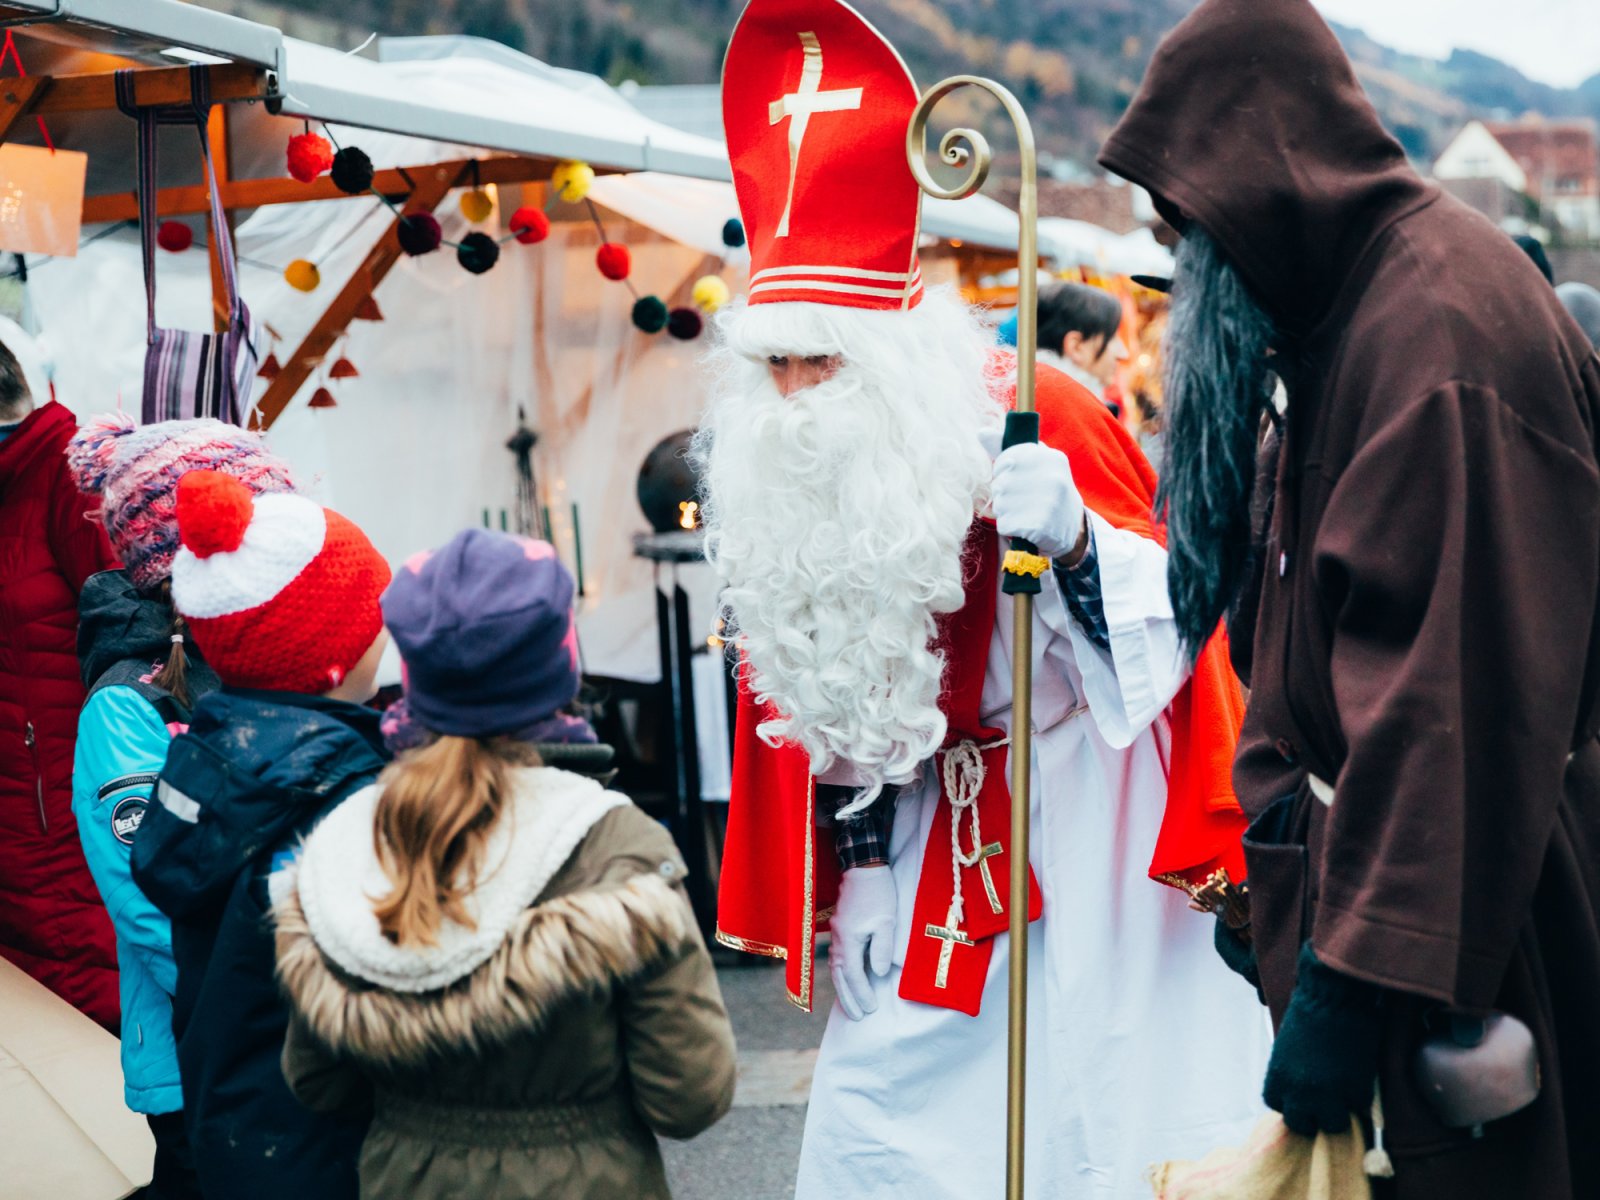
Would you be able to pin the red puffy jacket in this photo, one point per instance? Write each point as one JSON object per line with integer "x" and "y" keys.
{"x": 52, "y": 922}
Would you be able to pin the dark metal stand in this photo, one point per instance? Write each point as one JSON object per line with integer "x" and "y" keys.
{"x": 678, "y": 645}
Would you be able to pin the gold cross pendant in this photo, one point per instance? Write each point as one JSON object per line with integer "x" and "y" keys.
{"x": 980, "y": 859}
{"x": 951, "y": 938}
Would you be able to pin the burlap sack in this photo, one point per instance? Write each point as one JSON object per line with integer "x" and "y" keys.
{"x": 1273, "y": 1165}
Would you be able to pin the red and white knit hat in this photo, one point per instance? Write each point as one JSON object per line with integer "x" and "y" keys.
{"x": 280, "y": 593}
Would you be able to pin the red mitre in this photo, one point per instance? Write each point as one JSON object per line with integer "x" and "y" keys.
{"x": 816, "y": 105}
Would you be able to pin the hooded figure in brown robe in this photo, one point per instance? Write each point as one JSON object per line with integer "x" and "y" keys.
{"x": 1416, "y": 613}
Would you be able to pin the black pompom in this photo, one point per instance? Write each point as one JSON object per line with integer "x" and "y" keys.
{"x": 478, "y": 252}
{"x": 352, "y": 170}
{"x": 650, "y": 314}
{"x": 419, "y": 233}
{"x": 685, "y": 324}
{"x": 733, "y": 233}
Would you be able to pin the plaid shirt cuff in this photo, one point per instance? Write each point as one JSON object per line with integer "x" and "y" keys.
{"x": 1080, "y": 586}
{"x": 862, "y": 840}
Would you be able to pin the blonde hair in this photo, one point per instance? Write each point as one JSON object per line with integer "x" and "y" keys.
{"x": 438, "y": 805}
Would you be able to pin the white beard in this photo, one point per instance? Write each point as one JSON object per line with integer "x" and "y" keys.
{"x": 837, "y": 519}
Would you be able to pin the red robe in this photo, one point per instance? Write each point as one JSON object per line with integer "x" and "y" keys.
{"x": 778, "y": 884}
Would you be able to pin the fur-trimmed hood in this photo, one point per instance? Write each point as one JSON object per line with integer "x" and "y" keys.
{"x": 567, "y": 948}
{"x": 480, "y": 985}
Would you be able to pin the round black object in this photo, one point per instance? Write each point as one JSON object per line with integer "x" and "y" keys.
{"x": 419, "y": 233}
{"x": 352, "y": 170}
{"x": 733, "y": 233}
{"x": 667, "y": 481}
{"x": 650, "y": 314}
{"x": 478, "y": 252}
{"x": 685, "y": 324}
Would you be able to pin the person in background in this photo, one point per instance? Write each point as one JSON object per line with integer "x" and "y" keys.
{"x": 1079, "y": 334}
{"x": 1534, "y": 249}
{"x": 1583, "y": 302}
{"x": 500, "y": 954}
{"x": 53, "y": 924}
{"x": 144, "y": 676}
{"x": 281, "y": 598}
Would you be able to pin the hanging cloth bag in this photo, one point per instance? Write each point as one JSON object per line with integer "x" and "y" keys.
{"x": 189, "y": 374}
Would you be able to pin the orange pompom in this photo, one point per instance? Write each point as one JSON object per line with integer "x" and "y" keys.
{"x": 214, "y": 511}
{"x": 613, "y": 260}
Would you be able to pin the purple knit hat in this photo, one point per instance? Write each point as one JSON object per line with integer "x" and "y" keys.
{"x": 484, "y": 628}
{"x": 134, "y": 470}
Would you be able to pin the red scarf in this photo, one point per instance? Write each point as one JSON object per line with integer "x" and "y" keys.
{"x": 780, "y": 880}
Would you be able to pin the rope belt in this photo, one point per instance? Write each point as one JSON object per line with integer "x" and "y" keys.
{"x": 964, "y": 774}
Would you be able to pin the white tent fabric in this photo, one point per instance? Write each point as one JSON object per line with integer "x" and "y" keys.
{"x": 1081, "y": 244}
{"x": 692, "y": 211}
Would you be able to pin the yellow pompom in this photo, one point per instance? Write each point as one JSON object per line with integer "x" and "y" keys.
{"x": 572, "y": 180}
{"x": 302, "y": 275}
{"x": 477, "y": 205}
{"x": 710, "y": 293}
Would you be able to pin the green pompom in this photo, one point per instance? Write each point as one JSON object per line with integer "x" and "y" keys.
{"x": 650, "y": 314}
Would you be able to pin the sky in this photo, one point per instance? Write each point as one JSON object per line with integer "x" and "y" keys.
{"x": 1553, "y": 41}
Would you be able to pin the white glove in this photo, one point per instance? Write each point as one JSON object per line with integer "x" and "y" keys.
{"x": 863, "y": 936}
{"x": 1033, "y": 497}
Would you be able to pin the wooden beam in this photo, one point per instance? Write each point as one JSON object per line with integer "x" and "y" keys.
{"x": 221, "y": 164}
{"x": 17, "y": 97}
{"x": 433, "y": 184}
{"x": 154, "y": 86}
{"x": 255, "y": 193}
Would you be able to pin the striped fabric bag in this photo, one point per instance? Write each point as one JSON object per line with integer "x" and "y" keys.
{"x": 186, "y": 373}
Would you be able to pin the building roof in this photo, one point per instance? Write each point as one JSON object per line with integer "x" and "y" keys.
{"x": 1551, "y": 151}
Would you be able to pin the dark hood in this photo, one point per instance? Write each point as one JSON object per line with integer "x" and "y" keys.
{"x": 262, "y": 767}
{"x": 43, "y": 431}
{"x": 1251, "y": 123}
{"x": 116, "y": 623}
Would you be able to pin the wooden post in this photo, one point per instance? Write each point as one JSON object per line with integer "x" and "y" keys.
{"x": 18, "y": 96}
{"x": 221, "y": 164}
{"x": 433, "y": 184}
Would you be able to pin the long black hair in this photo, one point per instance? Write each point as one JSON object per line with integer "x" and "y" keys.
{"x": 1217, "y": 385}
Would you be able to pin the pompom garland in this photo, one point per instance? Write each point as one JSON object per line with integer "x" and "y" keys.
{"x": 710, "y": 293}
{"x": 302, "y": 275}
{"x": 650, "y": 314}
{"x": 685, "y": 324}
{"x": 214, "y": 511}
{"x": 352, "y": 170}
{"x": 476, "y": 205}
{"x": 419, "y": 233}
{"x": 530, "y": 225}
{"x": 174, "y": 236}
{"x": 478, "y": 252}
{"x": 309, "y": 155}
{"x": 572, "y": 180}
{"x": 614, "y": 261}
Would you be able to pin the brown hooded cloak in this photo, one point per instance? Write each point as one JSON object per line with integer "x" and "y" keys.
{"x": 1424, "y": 639}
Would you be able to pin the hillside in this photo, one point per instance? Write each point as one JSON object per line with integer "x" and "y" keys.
{"x": 1075, "y": 63}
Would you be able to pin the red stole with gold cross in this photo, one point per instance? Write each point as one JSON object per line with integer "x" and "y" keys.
{"x": 964, "y": 892}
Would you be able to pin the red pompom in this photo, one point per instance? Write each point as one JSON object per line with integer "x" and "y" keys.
{"x": 419, "y": 233}
{"x": 530, "y": 225}
{"x": 174, "y": 236}
{"x": 214, "y": 511}
{"x": 309, "y": 156}
{"x": 613, "y": 260}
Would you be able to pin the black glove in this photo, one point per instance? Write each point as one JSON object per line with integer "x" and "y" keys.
{"x": 1239, "y": 954}
{"x": 1325, "y": 1058}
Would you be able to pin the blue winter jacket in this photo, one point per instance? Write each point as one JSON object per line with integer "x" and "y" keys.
{"x": 252, "y": 775}
{"x": 123, "y": 735}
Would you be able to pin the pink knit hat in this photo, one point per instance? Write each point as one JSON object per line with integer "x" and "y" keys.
{"x": 135, "y": 470}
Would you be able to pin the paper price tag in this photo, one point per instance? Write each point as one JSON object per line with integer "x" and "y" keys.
{"x": 41, "y": 199}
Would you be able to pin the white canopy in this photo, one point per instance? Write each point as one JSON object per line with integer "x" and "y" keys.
{"x": 1080, "y": 244}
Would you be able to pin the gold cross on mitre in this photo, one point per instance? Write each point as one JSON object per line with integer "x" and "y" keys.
{"x": 799, "y": 106}
{"x": 980, "y": 858}
{"x": 952, "y": 936}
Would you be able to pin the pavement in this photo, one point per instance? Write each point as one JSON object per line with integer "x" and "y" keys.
{"x": 752, "y": 1153}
